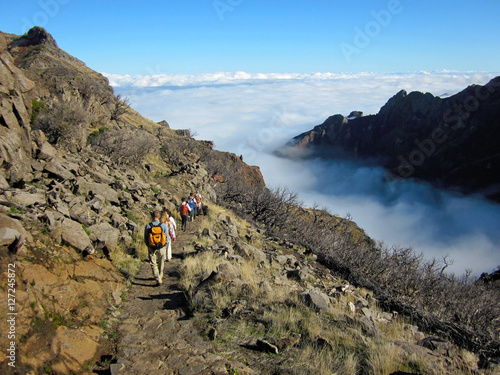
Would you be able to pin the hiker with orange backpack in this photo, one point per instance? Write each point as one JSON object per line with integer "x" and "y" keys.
{"x": 184, "y": 209}
{"x": 156, "y": 239}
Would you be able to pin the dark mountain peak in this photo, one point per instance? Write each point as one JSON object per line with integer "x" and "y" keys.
{"x": 415, "y": 101}
{"x": 334, "y": 120}
{"x": 35, "y": 36}
{"x": 452, "y": 142}
{"x": 394, "y": 102}
{"x": 355, "y": 114}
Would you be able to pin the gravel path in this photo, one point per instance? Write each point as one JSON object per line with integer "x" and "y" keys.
{"x": 156, "y": 334}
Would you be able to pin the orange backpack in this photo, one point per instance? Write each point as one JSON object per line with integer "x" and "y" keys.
{"x": 157, "y": 238}
{"x": 184, "y": 209}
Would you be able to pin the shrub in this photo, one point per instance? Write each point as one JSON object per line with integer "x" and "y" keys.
{"x": 62, "y": 123}
{"x": 36, "y": 108}
{"x": 120, "y": 108}
{"x": 123, "y": 146}
{"x": 458, "y": 307}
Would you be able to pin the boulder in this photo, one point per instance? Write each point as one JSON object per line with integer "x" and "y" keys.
{"x": 106, "y": 234}
{"x": 45, "y": 150}
{"x": 100, "y": 177}
{"x": 435, "y": 343}
{"x": 298, "y": 274}
{"x": 289, "y": 260}
{"x": 368, "y": 327}
{"x": 208, "y": 233}
{"x": 233, "y": 231}
{"x": 61, "y": 207}
{"x": 56, "y": 169}
{"x": 316, "y": 299}
{"x": 3, "y": 182}
{"x": 118, "y": 221}
{"x": 80, "y": 212}
{"x": 25, "y": 198}
{"x": 250, "y": 252}
{"x": 73, "y": 233}
{"x": 107, "y": 192}
{"x": 12, "y": 227}
{"x": 8, "y": 236}
{"x": 228, "y": 271}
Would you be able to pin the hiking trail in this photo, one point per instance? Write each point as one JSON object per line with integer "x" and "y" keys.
{"x": 156, "y": 334}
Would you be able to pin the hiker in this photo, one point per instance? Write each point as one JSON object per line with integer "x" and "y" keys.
{"x": 192, "y": 204}
{"x": 156, "y": 238}
{"x": 184, "y": 211}
{"x": 166, "y": 217}
{"x": 199, "y": 203}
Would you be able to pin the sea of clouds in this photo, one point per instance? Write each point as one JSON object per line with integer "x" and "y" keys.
{"x": 254, "y": 114}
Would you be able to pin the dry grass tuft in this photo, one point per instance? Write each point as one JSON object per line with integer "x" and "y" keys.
{"x": 382, "y": 359}
{"x": 196, "y": 268}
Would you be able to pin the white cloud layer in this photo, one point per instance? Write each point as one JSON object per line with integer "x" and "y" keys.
{"x": 253, "y": 114}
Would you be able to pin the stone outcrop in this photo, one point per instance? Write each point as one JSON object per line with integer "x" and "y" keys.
{"x": 16, "y": 93}
{"x": 451, "y": 142}
{"x": 35, "y": 36}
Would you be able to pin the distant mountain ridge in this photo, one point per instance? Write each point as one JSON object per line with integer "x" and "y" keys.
{"x": 450, "y": 142}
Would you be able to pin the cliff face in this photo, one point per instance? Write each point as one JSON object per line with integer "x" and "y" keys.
{"x": 16, "y": 93}
{"x": 451, "y": 142}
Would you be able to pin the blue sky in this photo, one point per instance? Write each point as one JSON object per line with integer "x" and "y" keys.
{"x": 201, "y": 36}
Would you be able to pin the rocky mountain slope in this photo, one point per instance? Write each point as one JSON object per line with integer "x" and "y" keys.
{"x": 63, "y": 198}
{"x": 80, "y": 173}
{"x": 450, "y": 142}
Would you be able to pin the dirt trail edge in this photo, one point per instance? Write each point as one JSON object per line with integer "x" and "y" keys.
{"x": 156, "y": 334}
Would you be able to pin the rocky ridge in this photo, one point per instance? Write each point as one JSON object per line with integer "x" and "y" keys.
{"x": 450, "y": 142}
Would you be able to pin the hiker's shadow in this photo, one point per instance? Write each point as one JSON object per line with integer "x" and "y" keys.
{"x": 173, "y": 300}
{"x": 142, "y": 281}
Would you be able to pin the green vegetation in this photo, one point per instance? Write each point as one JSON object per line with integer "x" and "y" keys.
{"x": 98, "y": 132}
{"x": 104, "y": 323}
{"x": 47, "y": 369}
{"x": 15, "y": 210}
{"x": 233, "y": 371}
{"x": 36, "y": 108}
{"x": 57, "y": 320}
{"x": 86, "y": 230}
